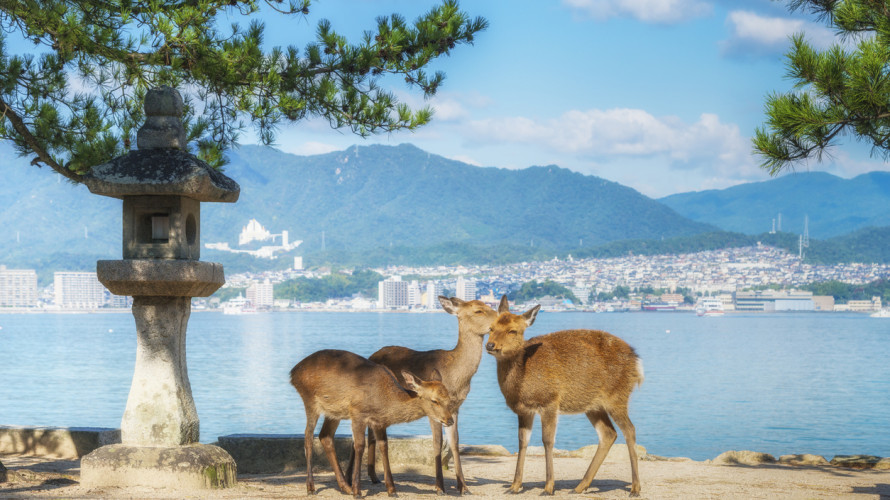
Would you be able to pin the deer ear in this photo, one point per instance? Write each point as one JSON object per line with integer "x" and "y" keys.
{"x": 531, "y": 314}
{"x": 436, "y": 375}
{"x": 412, "y": 383}
{"x": 503, "y": 306}
{"x": 450, "y": 305}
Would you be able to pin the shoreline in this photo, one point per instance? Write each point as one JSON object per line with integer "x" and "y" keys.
{"x": 734, "y": 474}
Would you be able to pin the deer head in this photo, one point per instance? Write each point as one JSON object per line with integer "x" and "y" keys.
{"x": 508, "y": 331}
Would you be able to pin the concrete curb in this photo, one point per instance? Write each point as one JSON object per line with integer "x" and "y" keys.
{"x": 275, "y": 453}
{"x": 59, "y": 442}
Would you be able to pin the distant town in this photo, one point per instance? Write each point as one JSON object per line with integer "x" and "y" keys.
{"x": 758, "y": 278}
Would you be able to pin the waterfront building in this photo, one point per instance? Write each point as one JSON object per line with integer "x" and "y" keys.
{"x": 864, "y": 305}
{"x": 18, "y": 287}
{"x": 465, "y": 289}
{"x": 392, "y": 293}
{"x": 431, "y": 297}
{"x": 78, "y": 290}
{"x": 774, "y": 301}
{"x": 261, "y": 295}
{"x": 414, "y": 294}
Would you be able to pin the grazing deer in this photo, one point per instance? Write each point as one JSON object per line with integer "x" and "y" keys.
{"x": 457, "y": 367}
{"x": 342, "y": 385}
{"x": 571, "y": 371}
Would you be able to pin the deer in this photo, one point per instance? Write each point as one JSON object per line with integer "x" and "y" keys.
{"x": 457, "y": 367}
{"x": 342, "y": 385}
{"x": 569, "y": 371}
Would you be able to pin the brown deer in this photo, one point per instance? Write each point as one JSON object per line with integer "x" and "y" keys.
{"x": 457, "y": 367}
{"x": 571, "y": 371}
{"x": 342, "y": 385}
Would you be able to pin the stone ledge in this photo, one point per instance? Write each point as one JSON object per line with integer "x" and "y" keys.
{"x": 195, "y": 466}
{"x": 275, "y": 453}
{"x": 58, "y": 442}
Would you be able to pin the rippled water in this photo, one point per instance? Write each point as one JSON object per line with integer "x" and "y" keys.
{"x": 778, "y": 383}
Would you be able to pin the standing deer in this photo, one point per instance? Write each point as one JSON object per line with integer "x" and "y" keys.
{"x": 457, "y": 366}
{"x": 570, "y": 371}
{"x": 342, "y": 385}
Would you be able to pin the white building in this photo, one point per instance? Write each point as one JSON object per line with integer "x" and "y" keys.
{"x": 18, "y": 287}
{"x": 414, "y": 294}
{"x": 392, "y": 293}
{"x": 260, "y": 295}
{"x": 253, "y": 231}
{"x": 431, "y": 297}
{"x": 78, "y": 290}
{"x": 465, "y": 289}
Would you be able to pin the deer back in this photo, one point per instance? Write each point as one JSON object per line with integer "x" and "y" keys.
{"x": 577, "y": 369}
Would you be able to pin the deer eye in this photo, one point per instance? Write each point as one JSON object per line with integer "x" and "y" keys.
{"x": 513, "y": 332}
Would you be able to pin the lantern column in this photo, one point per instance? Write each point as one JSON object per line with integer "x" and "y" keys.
{"x": 161, "y": 186}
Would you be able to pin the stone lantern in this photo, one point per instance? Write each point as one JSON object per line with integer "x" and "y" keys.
{"x": 162, "y": 186}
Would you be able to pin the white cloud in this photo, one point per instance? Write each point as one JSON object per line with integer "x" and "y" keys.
{"x": 308, "y": 148}
{"x": 615, "y": 135}
{"x": 752, "y": 33}
{"x": 465, "y": 159}
{"x": 648, "y": 11}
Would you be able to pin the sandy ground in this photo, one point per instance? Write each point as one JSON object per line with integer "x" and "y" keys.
{"x": 488, "y": 477}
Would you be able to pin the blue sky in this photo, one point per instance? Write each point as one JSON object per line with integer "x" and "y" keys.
{"x": 659, "y": 95}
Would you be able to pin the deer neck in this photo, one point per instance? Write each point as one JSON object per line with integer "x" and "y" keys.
{"x": 511, "y": 371}
{"x": 466, "y": 355}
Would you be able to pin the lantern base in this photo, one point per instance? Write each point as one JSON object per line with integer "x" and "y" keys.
{"x": 153, "y": 277}
{"x": 195, "y": 466}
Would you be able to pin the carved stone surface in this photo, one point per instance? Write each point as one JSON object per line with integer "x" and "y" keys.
{"x": 161, "y": 172}
{"x": 159, "y": 278}
{"x": 197, "y": 466}
{"x": 160, "y": 408}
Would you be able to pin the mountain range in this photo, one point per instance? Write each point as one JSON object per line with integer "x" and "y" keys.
{"x": 372, "y": 199}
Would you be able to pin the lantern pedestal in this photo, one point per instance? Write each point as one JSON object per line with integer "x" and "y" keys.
{"x": 162, "y": 186}
{"x": 160, "y": 427}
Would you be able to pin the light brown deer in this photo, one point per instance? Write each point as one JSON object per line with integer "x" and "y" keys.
{"x": 571, "y": 371}
{"x": 457, "y": 367}
{"x": 342, "y": 385}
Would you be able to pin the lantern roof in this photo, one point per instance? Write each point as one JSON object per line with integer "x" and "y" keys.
{"x": 161, "y": 165}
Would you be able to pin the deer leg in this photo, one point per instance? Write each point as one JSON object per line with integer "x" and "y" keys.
{"x": 436, "y": 428}
{"x": 384, "y": 457}
{"x": 630, "y": 436}
{"x": 453, "y": 445}
{"x": 607, "y": 434}
{"x": 358, "y": 442}
{"x": 326, "y": 436}
{"x": 308, "y": 437}
{"x": 372, "y": 458}
{"x": 549, "y": 418}
{"x": 525, "y": 432}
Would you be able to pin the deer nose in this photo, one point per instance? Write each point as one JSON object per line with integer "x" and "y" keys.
{"x": 489, "y": 346}
{"x": 449, "y": 422}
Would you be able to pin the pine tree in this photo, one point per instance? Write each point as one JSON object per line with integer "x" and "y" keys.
{"x": 76, "y": 100}
{"x": 837, "y": 91}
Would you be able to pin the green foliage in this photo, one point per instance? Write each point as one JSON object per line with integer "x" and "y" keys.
{"x": 835, "y": 91}
{"x": 120, "y": 49}
{"x": 334, "y": 285}
{"x": 845, "y": 292}
{"x": 532, "y": 290}
{"x": 224, "y": 294}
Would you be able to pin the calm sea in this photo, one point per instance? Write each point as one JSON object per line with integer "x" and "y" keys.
{"x": 777, "y": 383}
